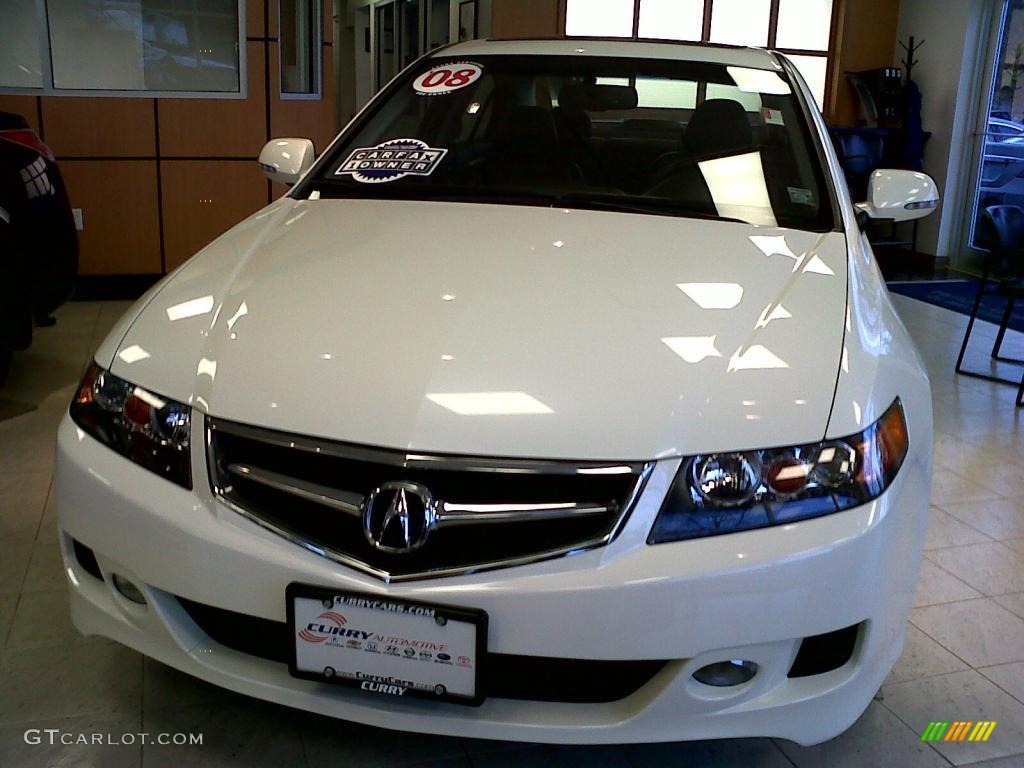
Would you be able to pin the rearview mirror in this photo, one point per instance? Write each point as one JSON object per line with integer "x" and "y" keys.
{"x": 286, "y": 160}
{"x": 598, "y": 98}
{"x": 900, "y": 195}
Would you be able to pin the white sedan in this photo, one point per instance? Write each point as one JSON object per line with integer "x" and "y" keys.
{"x": 561, "y": 400}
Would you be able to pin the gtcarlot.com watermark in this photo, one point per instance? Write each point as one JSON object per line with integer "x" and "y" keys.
{"x": 55, "y": 736}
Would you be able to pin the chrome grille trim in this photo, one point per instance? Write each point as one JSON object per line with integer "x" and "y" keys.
{"x": 449, "y": 513}
{"x": 454, "y": 514}
{"x": 406, "y": 460}
{"x": 476, "y": 514}
{"x": 349, "y": 503}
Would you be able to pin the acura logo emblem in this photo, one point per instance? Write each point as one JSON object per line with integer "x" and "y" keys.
{"x": 398, "y": 516}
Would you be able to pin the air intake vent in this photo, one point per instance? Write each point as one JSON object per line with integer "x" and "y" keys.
{"x": 823, "y": 653}
{"x": 87, "y": 559}
{"x": 532, "y": 678}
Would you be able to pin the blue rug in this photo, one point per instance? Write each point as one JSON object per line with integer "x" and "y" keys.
{"x": 958, "y": 295}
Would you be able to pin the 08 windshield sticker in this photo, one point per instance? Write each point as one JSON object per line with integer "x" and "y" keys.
{"x": 446, "y": 78}
{"x": 391, "y": 160}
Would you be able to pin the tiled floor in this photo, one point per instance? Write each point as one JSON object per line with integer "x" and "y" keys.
{"x": 964, "y": 655}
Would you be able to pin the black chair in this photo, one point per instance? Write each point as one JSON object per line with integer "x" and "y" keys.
{"x": 1002, "y": 232}
{"x": 860, "y": 153}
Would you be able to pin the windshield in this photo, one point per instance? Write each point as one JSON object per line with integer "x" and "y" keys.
{"x": 679, "y": 138}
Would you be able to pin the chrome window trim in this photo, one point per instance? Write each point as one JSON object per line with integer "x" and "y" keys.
{"x": 402, "y": 459}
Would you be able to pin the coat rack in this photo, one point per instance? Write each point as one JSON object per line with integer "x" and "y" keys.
{"x": 911, "y": 48}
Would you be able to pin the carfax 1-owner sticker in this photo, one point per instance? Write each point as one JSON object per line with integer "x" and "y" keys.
{"x": 445, "y": 78}
{"x": 391, "y": 160}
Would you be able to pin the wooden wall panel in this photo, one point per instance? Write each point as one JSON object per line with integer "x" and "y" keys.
{"x": 328, "y": 16}
{"x": 254, "y": 18}
{"x": 22, "y": 105}
{"x": 526, "y": 18}
{"x": 312, "y": 119}
{"x": 865, "y": 38}
{"x": 203, "y": 198}
{"x": 121, "y": 199}
{"x": 79, "y": 126}
{"x": 118, "y": 199}
{"x": 218, "y": 127}
{"x": 273, "y": 19}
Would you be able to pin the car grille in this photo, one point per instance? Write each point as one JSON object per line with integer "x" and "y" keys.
{"x": 505, "y": 676}
{"x": 490, "y": 512}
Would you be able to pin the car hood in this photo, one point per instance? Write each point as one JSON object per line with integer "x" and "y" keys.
{"x": 502, "y": 330}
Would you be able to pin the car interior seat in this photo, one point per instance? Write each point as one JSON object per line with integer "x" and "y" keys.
{"x": 528, "y": 152}
{"x": 575, "y": 130}
{"x": 718, "y": 128}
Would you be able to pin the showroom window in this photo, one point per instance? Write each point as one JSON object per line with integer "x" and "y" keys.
{"x": 110, "y": 47}
{"x": 798, "y": 28}
{"x": 300, "y": 32}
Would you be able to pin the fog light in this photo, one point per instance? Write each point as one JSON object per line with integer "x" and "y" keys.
{"x": 724, "y": 674}
{"x": 128, "y": 589}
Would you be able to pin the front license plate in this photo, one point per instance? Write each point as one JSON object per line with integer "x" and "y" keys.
{"x": 388, "y": 647}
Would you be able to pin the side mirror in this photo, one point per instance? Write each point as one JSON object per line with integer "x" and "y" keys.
{"x": 899, "y": 196}
{"x": 286, "y": 160}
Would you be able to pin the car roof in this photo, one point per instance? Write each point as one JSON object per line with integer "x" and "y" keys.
{"x": 754, "y": 58}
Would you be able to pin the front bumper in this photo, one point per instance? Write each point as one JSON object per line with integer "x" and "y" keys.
{"x": 751, "y": 595}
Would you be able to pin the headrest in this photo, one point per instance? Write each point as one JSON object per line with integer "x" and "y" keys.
{"x": 528, "y": 127}
{"x": 719, "y": 127}
{"x": 573, "y": 119}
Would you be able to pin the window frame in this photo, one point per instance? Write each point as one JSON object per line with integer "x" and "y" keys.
{"x": 317, "y": 44}
{"x": 48, "y": 88}
{"x": 705, "y": 38}
{"x": 377, "y": 51}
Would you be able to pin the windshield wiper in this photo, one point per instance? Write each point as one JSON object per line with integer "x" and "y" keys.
{"x": 657, "y": 207}
{"x": 497, "y": 195}
{"x": 336, "y": 188}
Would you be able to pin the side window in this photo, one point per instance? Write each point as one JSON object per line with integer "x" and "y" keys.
{"x": 663, "y": 93}
{"x": 660, "y": 93}
{"x": 751, "y": 101}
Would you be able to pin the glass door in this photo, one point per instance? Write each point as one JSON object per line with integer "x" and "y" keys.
{"x": 386, "y": 44}
{"x": 409, "y": 42}
{"x": 405, "y": 30}
{"x": 438, "y": 24}
{"x": 997, "y": 160}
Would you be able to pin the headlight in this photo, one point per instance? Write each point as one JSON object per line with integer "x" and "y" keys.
{"x": 729, "y": 492}
{"x": 148, "y": 429}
